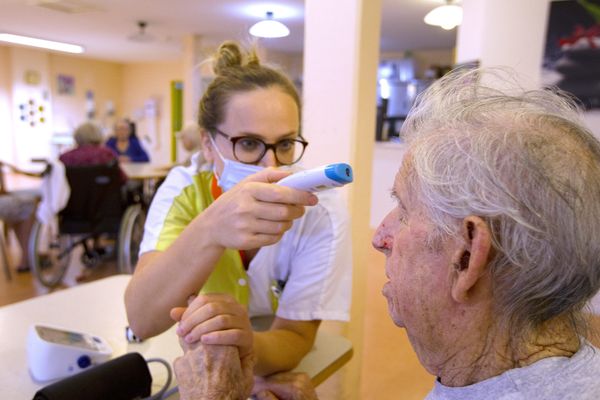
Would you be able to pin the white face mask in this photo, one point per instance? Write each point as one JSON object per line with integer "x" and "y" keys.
{"x": 233, "y": 171}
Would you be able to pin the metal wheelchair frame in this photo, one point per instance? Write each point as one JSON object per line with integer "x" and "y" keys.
{"x": 96, "y": 207}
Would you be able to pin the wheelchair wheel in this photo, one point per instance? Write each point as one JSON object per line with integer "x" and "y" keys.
{"x": 90, "y": 258}
{"x": 49, "y": 253}
{"x": 130, "y": 237}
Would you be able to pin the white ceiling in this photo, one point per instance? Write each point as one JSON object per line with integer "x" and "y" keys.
{"x": 103, "y": 26}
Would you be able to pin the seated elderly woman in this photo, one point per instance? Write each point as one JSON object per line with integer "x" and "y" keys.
{"x": 493, "y": 249}
{"x": 89, "y": 150}
{"x": 126, "y": 143}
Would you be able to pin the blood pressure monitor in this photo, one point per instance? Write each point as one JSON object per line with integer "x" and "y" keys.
{"x": 54, "y": 353}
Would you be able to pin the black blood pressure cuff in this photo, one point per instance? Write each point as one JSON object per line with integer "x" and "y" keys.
{"x": 123, "y": 378}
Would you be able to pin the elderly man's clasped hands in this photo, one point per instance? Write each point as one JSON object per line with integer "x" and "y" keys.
{"x": 218, "y": 361}
{"x": 216, "y": 337}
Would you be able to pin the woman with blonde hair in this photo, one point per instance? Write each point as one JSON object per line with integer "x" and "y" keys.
{"x": 249, "y": 247}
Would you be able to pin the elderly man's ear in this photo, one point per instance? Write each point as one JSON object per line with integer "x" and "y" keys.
{"x": 470, "y": 261}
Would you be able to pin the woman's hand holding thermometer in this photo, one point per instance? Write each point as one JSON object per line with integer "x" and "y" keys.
{"x": 321, "y": 178}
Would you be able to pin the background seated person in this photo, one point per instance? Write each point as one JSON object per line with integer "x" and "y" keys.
{"x": 492, "y": 251}
{"x": 226, "y": 229}
{"x": 17, "y": 210}
{"x": 89, "y": 150}
{"x": 191, "y": 141}
{"x": 126, "y": 144}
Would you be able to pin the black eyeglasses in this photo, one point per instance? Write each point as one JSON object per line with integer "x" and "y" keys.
{"x": 250, "y": 150}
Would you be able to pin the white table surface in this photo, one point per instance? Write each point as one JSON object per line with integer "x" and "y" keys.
{"x": 97, "y": 308}
{"x": 141, "y": 171}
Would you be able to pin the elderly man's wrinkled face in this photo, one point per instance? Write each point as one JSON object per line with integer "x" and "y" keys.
{"x": 418, "y": 290}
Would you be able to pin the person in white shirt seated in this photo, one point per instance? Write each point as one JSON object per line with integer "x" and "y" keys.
{"x": 17, "y": 211}
{"x": 191, "y": 141}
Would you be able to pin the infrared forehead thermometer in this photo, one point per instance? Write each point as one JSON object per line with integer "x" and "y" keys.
{"x": 321, "y": 178}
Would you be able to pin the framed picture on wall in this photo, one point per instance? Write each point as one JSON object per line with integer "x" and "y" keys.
{"x": 65, "y": 85}
{"x": 572, "y": 52}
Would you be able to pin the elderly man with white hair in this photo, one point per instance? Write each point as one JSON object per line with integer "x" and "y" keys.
{"x": 493, "y": 249}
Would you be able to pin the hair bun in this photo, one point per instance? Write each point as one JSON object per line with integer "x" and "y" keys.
{"x": 230, "y": 55}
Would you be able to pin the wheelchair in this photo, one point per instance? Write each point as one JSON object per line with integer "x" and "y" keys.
{"x": 96, "y": 208}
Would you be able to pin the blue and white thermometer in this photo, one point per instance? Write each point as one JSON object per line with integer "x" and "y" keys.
{"x": 321, "y": 178}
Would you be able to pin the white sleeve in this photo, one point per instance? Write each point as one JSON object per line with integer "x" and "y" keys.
{"x": 177, "y": 179}
{"x": 320, "y": 265}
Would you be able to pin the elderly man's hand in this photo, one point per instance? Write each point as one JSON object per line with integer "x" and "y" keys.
{"x": 214, "y": 372}
{"x": 284, "y": 386}
{"x": 215, "y": 319}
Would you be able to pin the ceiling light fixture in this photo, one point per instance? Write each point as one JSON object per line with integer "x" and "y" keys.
{"x": 44, "y": 44}
{"x": 269, "y": 28}
{"x": 141, "y": 35}
{"x": 447, "y": 16}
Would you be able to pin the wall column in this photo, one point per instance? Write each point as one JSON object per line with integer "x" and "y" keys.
{"x": 7, "y": 143}
{"x": 511, "y": 33}
{"x": 504, "y": 32}
{"x": 341, "y": 53}
{"x": 193, "y": 55}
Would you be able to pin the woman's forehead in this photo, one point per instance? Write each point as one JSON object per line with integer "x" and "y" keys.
{"x": 262, "y": 113}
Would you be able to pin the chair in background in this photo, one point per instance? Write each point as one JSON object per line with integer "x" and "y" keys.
{"x": 4, "y": 251}
{"x": 379, "y": 120}
{"x": 96, "y": 208}
{"x": 3, "y": 247}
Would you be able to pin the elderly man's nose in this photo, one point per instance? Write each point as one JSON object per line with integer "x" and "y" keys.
{"x": 381, "y": 240}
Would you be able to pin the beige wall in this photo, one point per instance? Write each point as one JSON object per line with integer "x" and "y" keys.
{"x": 30, "y": 105}
{"x": 6, "y": 142}
{"x": 101, "y": 78}
{"x": 146, "y": 99}
{"x": 19, "y": 142}
{"x": 290, "y": 63}
{"x": 128, "y": 90}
